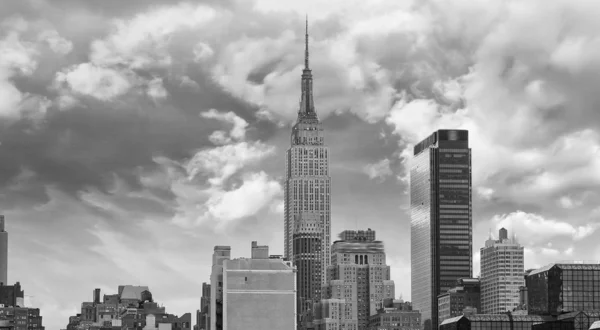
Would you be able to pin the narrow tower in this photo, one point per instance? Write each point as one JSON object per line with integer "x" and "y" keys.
{"x": 307, "y": 184}
{"x": 3, "y": 252}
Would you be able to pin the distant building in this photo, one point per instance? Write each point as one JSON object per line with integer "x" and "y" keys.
{"x": 129, "y": 309}
{"x": 564, "y": 287}
{"x": 3, "y": 252}
{"x": 359, "y": 281}
{"x": 465, "y": 297}
{"x": 203, "y": 317}
{"x": 348, "y": 235}
{"x": 257, "y": 293}
{"x": 396, "y": 315}
{"x": 441, "y": 218}
{"x": 21, "y": 318}
{"x": 502, "y": 267}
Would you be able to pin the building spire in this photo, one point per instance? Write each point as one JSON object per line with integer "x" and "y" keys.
{"x": 306, "y": 45}
{"x": 307, "y": 107}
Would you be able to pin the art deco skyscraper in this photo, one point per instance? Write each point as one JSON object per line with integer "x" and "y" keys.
{"x": 359, "y": 281}
{"x": 441, "y": 224}
{"x": 307, "y": 184}
{"x": 502, "y": 268}
{"x": 3, "y": 252}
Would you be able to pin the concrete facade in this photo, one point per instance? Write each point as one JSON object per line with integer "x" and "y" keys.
{"x": 258, "y": 293}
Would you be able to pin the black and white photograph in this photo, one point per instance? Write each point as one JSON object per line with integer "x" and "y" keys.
{"x": 299, "y": 164}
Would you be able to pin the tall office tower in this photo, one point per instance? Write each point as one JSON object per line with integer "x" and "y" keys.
{"x": 308, "y": 239}
{"x": 307, "y": 184}
{"x": 441, "y": 224}
{"x": 3, "y": 253}
{"x": 259, "y": 293}
{"x": 220, "y": 254}
{"x": 359, "y": 281}
{"x": 502, "y": 270}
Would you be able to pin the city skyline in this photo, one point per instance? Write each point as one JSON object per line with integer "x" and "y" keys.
{"x": 117, "y": 169}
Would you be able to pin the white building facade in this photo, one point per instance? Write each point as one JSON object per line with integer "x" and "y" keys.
{"x": 502, "y": 268}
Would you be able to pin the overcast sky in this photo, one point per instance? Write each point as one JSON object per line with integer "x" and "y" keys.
{"x": 136, "y": 135}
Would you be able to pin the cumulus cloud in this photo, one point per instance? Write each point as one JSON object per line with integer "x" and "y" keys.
{"x": 256, "y": 192}
{"x": 534, "y": 229}
{"x": 221, "y": 162}
{"x": 143, "y": 41}
{"x": 238, "y": 131}
{"x": 18, "y": 58}
{"x": 156, "y": 89}
{"x": 379, "y": 170}
{"x": 57, "y": 43}
{"x": 88, "y": 79}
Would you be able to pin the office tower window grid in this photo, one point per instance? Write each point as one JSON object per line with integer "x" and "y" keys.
{"x": 441, "y": 218}
{"x": 563, "y": 288}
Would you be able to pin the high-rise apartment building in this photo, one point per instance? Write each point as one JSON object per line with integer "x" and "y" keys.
{"x": 502, "y": 268}
{"x": 307, "y": 183}
{"x": 359, "y": 281}
{"x": 3, "y": 252}
{"x": 258, "y": 293}
{"x": 441, "y": 223}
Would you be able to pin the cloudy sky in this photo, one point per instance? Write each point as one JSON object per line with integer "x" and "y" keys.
{"x": 136, "y": 135}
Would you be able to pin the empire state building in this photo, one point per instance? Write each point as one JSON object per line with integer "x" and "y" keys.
{"x": 307, "y": 195}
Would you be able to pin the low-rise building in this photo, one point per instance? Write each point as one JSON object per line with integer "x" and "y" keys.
{"x": 466, "y": 295}
{"x": 21, "y": 318}
{"x": 395, "y": 315}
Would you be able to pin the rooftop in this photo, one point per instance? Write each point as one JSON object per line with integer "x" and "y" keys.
{"x": 257, "y": 264}
{"x": 569, "y": 265}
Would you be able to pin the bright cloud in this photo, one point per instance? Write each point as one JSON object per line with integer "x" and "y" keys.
{"x": 379, "y": 170}
{"x": 238, "y": 131}
{"x": 222, "y": 162}
{"x": 535, "y": 229}
{"x": 99, "y": 82}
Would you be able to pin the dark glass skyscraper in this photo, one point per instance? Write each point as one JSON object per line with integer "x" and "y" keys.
{"x": 441, "y": 224}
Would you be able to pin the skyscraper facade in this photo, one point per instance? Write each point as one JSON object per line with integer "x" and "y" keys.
{"x": 502, "y": 268}
{"x": 359, "y": 281}
{"x": 308, "y": 240}
{"x": 441, "y": 223}
{"x": 3, "y": 252}
{"x": 307, "y": 184}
